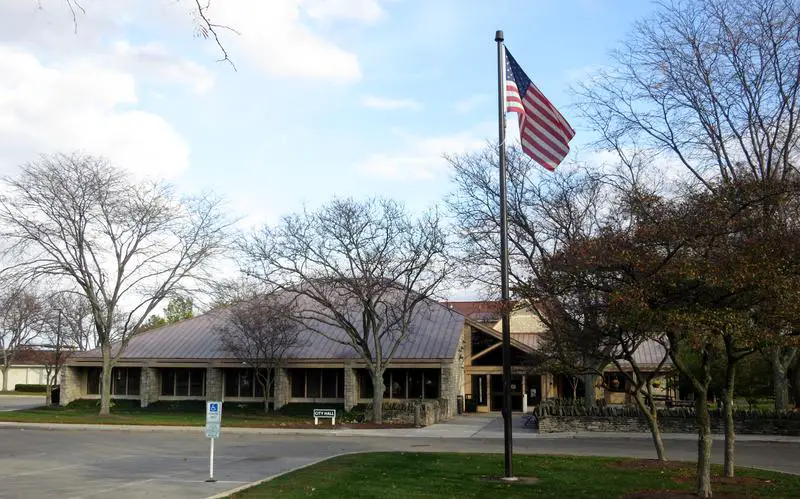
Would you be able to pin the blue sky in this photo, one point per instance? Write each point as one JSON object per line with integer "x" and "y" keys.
{"x": 331, "y": 97}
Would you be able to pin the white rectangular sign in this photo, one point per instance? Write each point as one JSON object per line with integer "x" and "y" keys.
{"x": 213, "y": 419}
{"x": 212, "y": 430}
{"x": 325, "y": 413}
{"x": 213, "y": 412}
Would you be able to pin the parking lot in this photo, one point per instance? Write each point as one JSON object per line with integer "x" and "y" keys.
{"x": 17, "y": 402}
{"x": 120, "y": 463}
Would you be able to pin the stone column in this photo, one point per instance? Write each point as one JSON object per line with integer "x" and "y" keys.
{"x": 72, "y": 381}
{"x": 350, "y": 387}
{"x": 150, "y": 385}
{"x": 214, "y": 383}
{"x": 282, "y": 388}
{"x": 449, "y": 390}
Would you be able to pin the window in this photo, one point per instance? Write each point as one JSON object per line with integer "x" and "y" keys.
{"x": 615, "y": 382}
{"x": 317, "y": 383}
{"x": 244, "y": 383}
{"x": 197, "y": 386}
{"x": 183, "y": 382}
{"x": 124, "y": 380}
{"x": 168, "y": 382}
{"x": 313, "y": 383}
{"x": 332, "y": 383}
{"x": 401, "y": 383}
{"x": 93, "y": 375}
{"x": 298, "y": 382}
{"x": 394, "y": 382}
{"x": 364, "y": 384}
{"x": 414, "y": 383}
{"x": 430, "y": 380}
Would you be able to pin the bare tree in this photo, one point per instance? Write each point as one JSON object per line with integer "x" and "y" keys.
{"x": 546, "y": 211}
{"x": 20, "y": 324}
{"x": 56, "y": 339}
{"x": 125, "y": 245}
{"x": 66, "y": 327}
{"x": 262, "y": 331}
{"x": 365, "y": 268}
{"x": 714, "y": 83}
{"x": 78, "y": 329}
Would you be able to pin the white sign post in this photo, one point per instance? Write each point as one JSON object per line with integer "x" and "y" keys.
{"x": 213, "y": 422}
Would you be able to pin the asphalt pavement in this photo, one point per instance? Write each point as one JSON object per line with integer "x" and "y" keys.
{"x": 18, "y": 402}
{"x": 88, "y": 462}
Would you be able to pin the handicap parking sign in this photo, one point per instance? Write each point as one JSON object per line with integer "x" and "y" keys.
{"x": 213, "y": 412}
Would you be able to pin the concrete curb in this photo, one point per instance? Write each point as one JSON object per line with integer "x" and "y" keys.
{"x": 246, "y": 486}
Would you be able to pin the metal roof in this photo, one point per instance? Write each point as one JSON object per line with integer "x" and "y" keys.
{"x": 648, "y": 355}
{"x": 436, "y": 332}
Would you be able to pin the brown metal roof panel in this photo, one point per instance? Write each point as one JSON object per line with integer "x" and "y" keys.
{"x": 437, "y": 331}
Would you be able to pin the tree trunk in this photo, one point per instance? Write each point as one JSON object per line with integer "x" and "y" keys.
{"x": 105, "y": 384}
{"x": 704, "y": 443}
{"x": 5, "y": 377}
{"x": 651, "y": 414}
{"x": 779, "y": 380}
{"x": 797, "y": 384}
{"x": 377, "y": 397}
{"x": 48, "y": 395}
{"x": 730, "y": 433}
{"x": 588, "y": 391}
{"x": 265, "y": 388}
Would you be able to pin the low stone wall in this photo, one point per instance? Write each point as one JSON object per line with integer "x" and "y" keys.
{"x": 415, "y": 412}
{"x": 670, "y": 421}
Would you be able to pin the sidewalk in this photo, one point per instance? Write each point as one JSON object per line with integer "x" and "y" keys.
{"x": 462, "y": 427}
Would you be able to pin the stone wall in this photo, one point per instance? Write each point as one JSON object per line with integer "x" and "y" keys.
{"x": 72, "y": 383}
{"x": 414, "y": 412}
{"x": 670, "y": 421}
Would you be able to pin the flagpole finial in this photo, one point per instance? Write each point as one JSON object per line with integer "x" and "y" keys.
{"x": 498, "y": 36}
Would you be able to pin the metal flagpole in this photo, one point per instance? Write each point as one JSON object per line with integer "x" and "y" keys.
{"x": 505, "y": 305}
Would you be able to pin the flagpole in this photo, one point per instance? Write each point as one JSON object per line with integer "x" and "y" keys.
{"x": 505, "y": 304}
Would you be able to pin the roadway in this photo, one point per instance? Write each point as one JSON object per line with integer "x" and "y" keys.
{"x": 135, "y": 463}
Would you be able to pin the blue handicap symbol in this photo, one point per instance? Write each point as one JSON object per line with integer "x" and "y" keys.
{"x": 213, "y": 408}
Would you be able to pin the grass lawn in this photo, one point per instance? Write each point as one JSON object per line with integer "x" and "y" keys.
{"x": 186, "y": 413}
{"x": 429, "y": 475}
{"x": 27, "y": 394}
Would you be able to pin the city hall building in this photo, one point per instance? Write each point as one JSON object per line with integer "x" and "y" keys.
{"x": 453, "y": 352}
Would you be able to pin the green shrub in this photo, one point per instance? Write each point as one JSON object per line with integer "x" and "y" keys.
{"x": 30, "y": 388}
{"x": 357, "y": 414}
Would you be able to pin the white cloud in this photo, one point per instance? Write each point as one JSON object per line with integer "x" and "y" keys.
{"x": 471, "y": 103}
{"x": 368, "y": 11}
{"x": 276, "y": 36}
{"x": 155, "y": 63}
{"x": 281, "y": 37}
{"x": 385, "y": 103}
{"x": 422, "y": 157}
{"x": 47, "y": 108}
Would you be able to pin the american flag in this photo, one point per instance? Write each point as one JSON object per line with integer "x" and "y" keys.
{"x": 544, "y": 133}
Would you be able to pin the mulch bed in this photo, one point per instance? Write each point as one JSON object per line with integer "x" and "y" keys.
{"x": 745, "y": 481}
{"x": 527, "y": 480}
{"x": 685, "y": 475}
{"x": 673, "y": 494}
{"x": 649, "y": 464}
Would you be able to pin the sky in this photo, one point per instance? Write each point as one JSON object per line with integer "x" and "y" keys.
{"x": 329, "y": 97}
